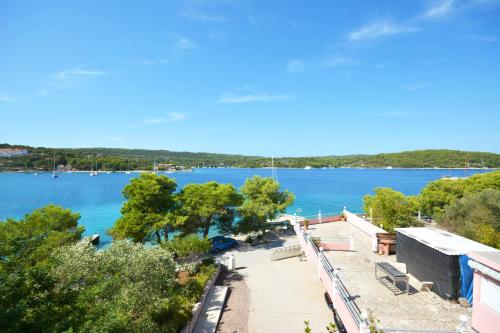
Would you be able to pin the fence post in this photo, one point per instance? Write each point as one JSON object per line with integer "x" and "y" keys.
{"x": 232, "y": 262}
{"x": 351, "y": 242}
{"x": 335, "y": 281}
{"x": 320, "y": 261}
{"x": 364, "y": 326}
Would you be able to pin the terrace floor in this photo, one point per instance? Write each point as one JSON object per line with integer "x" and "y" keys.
{"x": 418, "y": 310}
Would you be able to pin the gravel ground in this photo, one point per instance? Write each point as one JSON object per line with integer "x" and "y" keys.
{"x": 234, "y": 317}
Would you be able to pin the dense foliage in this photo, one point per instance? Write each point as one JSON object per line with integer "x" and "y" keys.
{"x": 437, "y": 194}
{"x": 263, "y": 201}
{"x": 475, "y": 216}
{"x": 152, "y": 209}
{"x": 207, "y": 205}
{"x": 115, "y": 159}
{"x": 467, "y": 206}
{"x": 51, "y": 281}
{"x": 28, "y": 299}
{"x": 391, "y": 209}
{"x": 149, "y": 199}
{"x": 127, "y": 287}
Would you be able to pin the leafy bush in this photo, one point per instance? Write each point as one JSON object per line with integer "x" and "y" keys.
{"x": 437, "y": 194}
{"x": 475, "y": 216}
{"x": 391, "y": 209}
{"x": 188, "y": 248}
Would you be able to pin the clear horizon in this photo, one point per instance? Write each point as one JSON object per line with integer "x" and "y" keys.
{"x": 252, "y": 78}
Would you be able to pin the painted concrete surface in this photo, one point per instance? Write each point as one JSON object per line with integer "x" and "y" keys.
{"x": 419, "y": 310}
{"x": 283, "y": 293}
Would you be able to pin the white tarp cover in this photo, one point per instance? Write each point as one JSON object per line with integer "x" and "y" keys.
{"x": 444, "y": 241}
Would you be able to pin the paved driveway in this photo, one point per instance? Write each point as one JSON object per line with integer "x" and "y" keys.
{"x": 282, "y": 294}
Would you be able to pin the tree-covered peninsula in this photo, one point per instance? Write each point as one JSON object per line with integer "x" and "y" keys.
{"x": 466, "y": 206}
{"x": 118, "y": 159}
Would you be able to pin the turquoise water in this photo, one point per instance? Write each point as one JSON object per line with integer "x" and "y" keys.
{"x": 98, "y": 199}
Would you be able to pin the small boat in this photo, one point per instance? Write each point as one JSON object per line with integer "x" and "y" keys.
{"x": 307, "y": 167}
{"x": 95, "y": 239}
{"x": 35, "y": 174}
{"x": 128, "y": 168}
{"x": 92, "y": 172}
{"x": 54, "y": 173}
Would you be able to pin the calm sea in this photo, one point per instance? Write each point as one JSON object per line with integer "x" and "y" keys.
{"x": 98, "y": 199}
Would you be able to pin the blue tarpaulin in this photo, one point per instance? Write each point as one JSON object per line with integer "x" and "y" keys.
{"x": 466, "y": 277}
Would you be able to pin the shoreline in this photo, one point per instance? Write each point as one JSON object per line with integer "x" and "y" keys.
{"x": 259, "y": 168}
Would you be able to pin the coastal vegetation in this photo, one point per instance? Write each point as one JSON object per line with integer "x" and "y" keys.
{"x": 391, "y": 209}
{"x": 262, "y": 201}
{"x": 117, "y": 159}
{"x": 153, "y": 209}
{"x": 54, "y": 280}
{"x": 148, "y": 200}
{"x": 467, "y": 206}
{"x": 202, "y": 206}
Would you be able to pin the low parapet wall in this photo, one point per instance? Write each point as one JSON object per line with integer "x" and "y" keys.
{"x": 285, "y": 252}
{"x": 365, "y": 226}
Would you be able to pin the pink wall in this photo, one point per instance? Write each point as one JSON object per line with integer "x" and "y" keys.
{"x": 331, "y": 246}
{"x": 338, "y": 303}
{"x": 484, "y": 319}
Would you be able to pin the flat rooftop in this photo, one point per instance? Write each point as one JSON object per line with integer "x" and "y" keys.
{"x": 418, "y": 310}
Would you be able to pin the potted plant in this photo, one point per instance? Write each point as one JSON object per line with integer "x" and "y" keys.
{"x": 306, "y": 224}
{"x": 316, "y": 241}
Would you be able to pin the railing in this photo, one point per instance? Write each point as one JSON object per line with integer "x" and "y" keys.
{"x": 335, "y": 280}
{"x": 394, "y": 330}
{"x": 359, "y": 319}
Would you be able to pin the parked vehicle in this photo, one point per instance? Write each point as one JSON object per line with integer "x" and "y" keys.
{"x": 221, "y": 243}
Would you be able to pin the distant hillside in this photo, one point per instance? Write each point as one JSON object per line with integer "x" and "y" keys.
{"x": 40, "y": 158}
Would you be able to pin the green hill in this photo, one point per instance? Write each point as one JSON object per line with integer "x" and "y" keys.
{"x": 41, "y": 158}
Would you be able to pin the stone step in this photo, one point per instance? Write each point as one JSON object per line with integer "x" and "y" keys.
{"x": 211, "y": 312}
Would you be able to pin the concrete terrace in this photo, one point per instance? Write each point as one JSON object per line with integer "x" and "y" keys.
{"x": 418, "y": 310}
{"x": 281, "y": 294}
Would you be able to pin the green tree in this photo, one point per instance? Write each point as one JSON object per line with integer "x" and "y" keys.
{"x": 437, "y": 194}
{"x": 126, "y": 288}
{"x": 188, "y": 249}
{"x": 263, "y": 200}
{"x": 204, "y": 205}
{"x": 390, "y": 208}
{"x": 27, "y": 300}
{"x": 150, "y": 199}
{"x": 475, "y": 216}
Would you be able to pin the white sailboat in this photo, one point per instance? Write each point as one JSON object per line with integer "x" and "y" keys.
{"x": 92, "y": 172}
{"x": 128, "y": 168}
{"x": 54, "y": 173}
{"x": 274, "y": 175}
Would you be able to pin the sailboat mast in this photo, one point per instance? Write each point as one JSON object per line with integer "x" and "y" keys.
{"x": 273, "y": 170}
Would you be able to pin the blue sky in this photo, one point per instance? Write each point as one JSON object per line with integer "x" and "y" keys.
{"x": 273, "y": 78}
